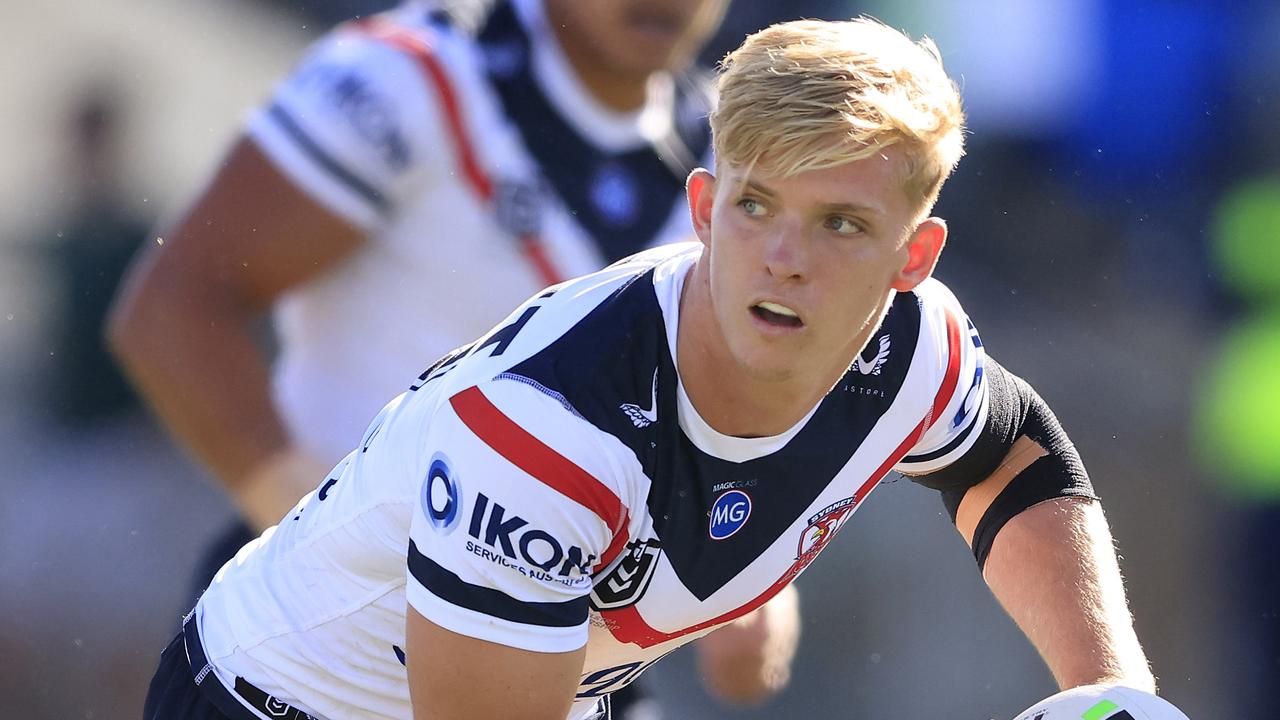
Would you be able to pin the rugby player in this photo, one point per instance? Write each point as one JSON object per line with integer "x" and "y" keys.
{"x": 639, "y": 457}
{"x": 407, "y": 185}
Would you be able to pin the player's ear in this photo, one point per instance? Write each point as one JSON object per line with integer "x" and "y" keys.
{"x": 923, "y": 248}
{"x": 701, "y": 189}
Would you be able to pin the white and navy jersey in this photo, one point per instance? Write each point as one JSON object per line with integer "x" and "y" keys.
{"x": 480, "y": 169}
{"x": 551, "y": 486}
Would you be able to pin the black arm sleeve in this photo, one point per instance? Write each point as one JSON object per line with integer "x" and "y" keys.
{"x": 1015, "y": 409}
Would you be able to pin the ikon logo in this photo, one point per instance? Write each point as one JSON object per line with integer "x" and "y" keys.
{"x": 510, "y": 533}
{"x": 728, "y": 514}
{"x": 441, "y": 495}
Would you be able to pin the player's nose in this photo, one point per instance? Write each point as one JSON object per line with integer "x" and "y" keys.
{"x": 786, "y": 256}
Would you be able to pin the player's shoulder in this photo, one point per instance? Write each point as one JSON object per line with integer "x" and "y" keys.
{"x": 550, "y": 325}
{"x": 398, "y": 52}
{"x": 488, "y": 422}
{"x": 572, "y": 336}
{"x": 942, "y": 317}
{"x": 935, "y": 297}
{"x": 946, "y": 340}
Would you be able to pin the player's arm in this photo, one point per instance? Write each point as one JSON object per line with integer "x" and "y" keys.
{"x": 456, "y": 677}
{"x": 749, "y": 660}
{"x": 518, "y": 503}
{"x": 1022, "y": 500}
{"x": 1054, "y": 569}
{"x": 181, "y": 324}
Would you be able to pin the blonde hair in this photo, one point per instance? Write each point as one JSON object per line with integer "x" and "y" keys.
{"x": 807, "y": 95}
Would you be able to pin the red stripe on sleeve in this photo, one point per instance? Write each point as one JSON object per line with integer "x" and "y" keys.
{"x": 952, "y": 377}
{"x": 531, "y": 455}
{"x": 617, "y": 545}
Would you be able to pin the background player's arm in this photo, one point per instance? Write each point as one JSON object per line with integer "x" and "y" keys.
{"x": 455, "y": 677}
{"x": 182, "y": 324}
{"x": 749, "y": 660}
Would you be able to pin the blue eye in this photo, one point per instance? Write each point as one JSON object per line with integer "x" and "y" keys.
{"x": 751, "y": 207}
{"x": 843, "y": 225}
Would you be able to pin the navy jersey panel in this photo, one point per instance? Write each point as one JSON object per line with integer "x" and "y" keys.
{"x": 618, "y": 355}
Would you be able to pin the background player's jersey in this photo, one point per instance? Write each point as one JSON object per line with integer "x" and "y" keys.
{"x": 480, "y": 169}
{"x": 551, "y": 486}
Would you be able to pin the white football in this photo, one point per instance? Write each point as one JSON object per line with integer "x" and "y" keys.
{"x": 1102, "y": 702}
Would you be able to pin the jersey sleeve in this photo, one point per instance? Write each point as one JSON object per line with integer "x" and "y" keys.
{"x": 354, "y": 126}
{"x": 964, "y": 401}
{"x": 518, "y": 504}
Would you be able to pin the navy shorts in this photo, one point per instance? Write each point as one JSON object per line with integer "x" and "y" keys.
{"x": 184, "y": 688}
{"x": 174, "y": 694}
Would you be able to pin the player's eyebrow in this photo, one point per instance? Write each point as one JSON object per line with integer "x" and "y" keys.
{"x": 835, "y": 208}
{"x": 850, "y": 208}
{"x": 757, "y": 187}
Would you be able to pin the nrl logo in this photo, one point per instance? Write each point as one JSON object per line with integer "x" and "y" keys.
{"x": 873, "y": 367}
{"x": 627, "y": 582}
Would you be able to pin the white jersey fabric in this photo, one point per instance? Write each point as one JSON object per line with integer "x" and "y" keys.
{"x": 420, "y": 135}
{"x": 550, "y": 486}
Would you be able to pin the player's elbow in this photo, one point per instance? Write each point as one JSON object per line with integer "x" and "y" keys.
{"x": 136, "y": 318}
{"x": 126, "y": 326}
{"x": 158, "y": 305}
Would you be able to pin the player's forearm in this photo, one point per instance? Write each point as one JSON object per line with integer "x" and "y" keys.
{"x": 749, "y": 660}
{"x": 1054, "y": 569}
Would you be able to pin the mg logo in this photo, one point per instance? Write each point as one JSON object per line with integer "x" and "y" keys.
{"x": 728, "y": 514}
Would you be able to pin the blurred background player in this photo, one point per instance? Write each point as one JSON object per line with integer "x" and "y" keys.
{"x": 402, "y": 189}
{"x": 94, "y": 237}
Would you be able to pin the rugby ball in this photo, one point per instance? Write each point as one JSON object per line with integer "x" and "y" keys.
{"x": 1102, "y": 702}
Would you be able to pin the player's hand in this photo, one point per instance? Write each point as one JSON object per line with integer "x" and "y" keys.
{"x": 749, "y": 660}
{"x": 274, "y": 486}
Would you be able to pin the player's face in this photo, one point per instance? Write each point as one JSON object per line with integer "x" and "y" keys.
{"x": 801, "y": 268}
{"x": 633, "y": 38}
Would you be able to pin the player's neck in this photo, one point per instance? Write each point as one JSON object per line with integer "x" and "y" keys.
{"x": 616, "y": 90}
{"x": 726, "y": 396}
{"x": 613, "y": 92}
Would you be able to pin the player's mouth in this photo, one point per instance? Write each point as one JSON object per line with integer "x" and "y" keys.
{"x": 776, "y": 315}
